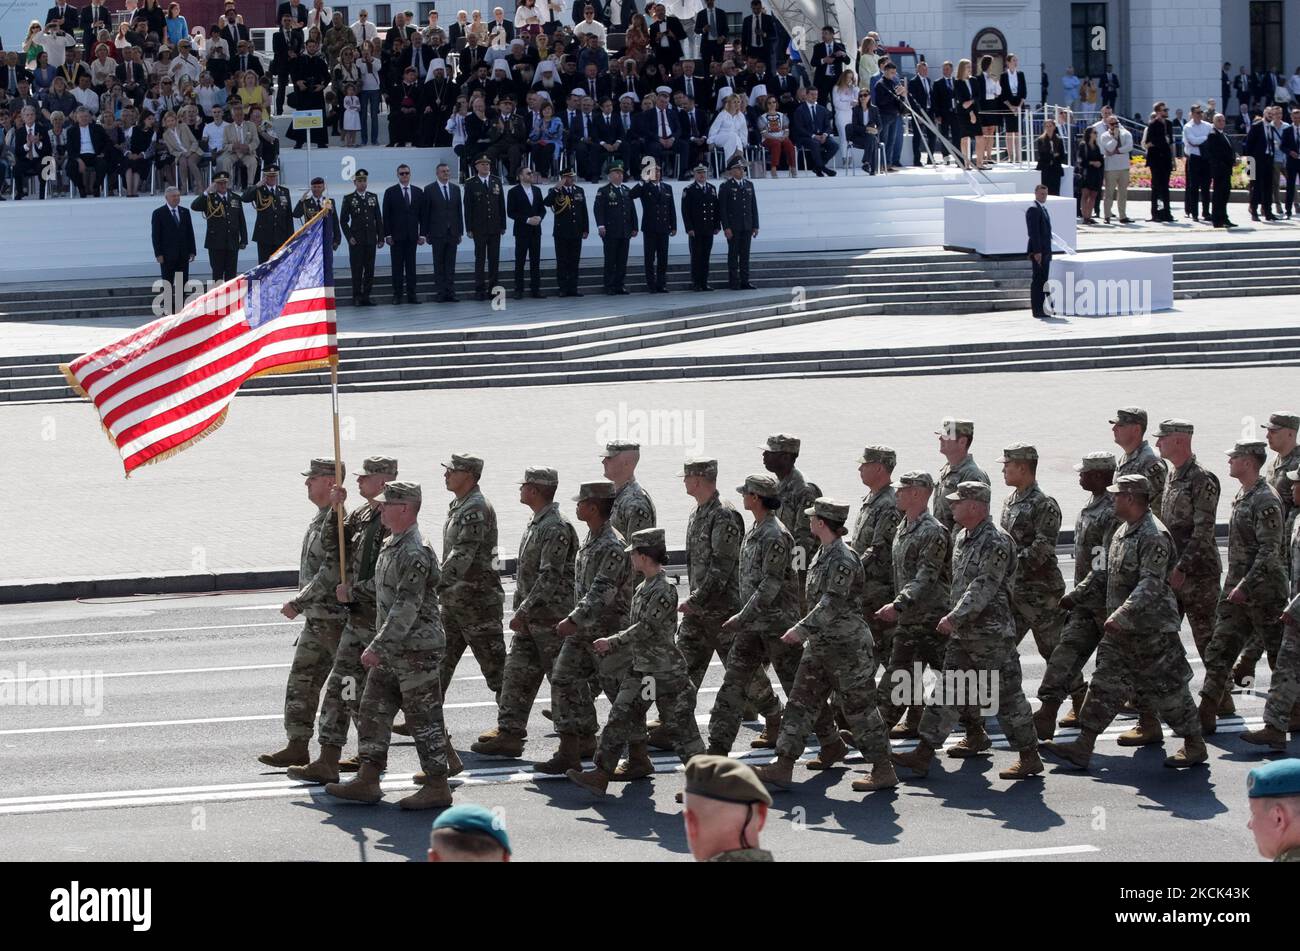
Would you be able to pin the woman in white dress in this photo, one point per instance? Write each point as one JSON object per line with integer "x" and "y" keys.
{"x": 730, "y": 129}
{"x": 844, "y": 96}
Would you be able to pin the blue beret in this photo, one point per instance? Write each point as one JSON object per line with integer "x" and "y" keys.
{"x": 473, "y": 818}
{"x": 1278, "y": 778}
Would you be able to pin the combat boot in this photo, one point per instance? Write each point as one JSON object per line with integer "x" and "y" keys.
{"x": 749, "y": 715}
{"x": 975, "y": 742}
{"x": 1192, "y": 753}
{"x": 771, "y": 733}
{"x": 882, "y": 777}
{"x": 323, "y": 770}
{"x": 297, "y": 753}
{"x": 594, "y": 780}
{"x": 565, "y": 758}
{"x": 779, "y": 772}
{"x": 1226, "y": 707}
{"x": 1079, "y": 752}
{"x": 1146, "y": 732}
{"x": 1071, "y": 719}
{"x": 659, "y": 736}
{"x": 918, "y": 761}
{"x": 907, "y": 730}
{"x": 454, "y": 765}
{"x": 364, "y": 787}
{"x": 636, "y": 766}
{"x": 587, "y": 746}
{"x": 1269, "y": 736}
{"x": 717, "y": 750}
{"x": 401, "y": 729}
{"x": 1045, "y": 719}
{"x": 1243, "y": 672}
{"x": 546, "y": 712}
{"x": 1208, "y": 711}
{"x": 504, "y": 744}
{"x": 1294, "y": 725}
{"x": 349, "y": 765}
{"x": 1030, "y": 765}
{"x": 433, "y": 794}
{"x": 829, "y": 755}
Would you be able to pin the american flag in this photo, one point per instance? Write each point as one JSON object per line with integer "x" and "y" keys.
{"x": 161, "y": 388}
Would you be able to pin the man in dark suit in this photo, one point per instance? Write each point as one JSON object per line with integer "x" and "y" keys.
{"x": 569, "y": 228}
{"x": 501, "y": 23}
{"x": 173, "y": 246}
{"x": 580, "y": 139}
{"x": 943, "y": 106}
{"x": 760, "y": 36}
{"x": 617, "y": 224}
{"x": 444, "y": 226}
{"x": 738, "y": 215}
{"x": 1291, "y": 148}
{"x": 1039, "y": 225}
{"x": 89, "y": 153}
{"x": 1109, "y": 86}
{"x": 810, "y": 129}
{"x": 1258, "y": 146}
{"x": 658, "y": 224}
{"x": 701, "y": 217}
{"x": 711, "y": 28}
{"x": 920, "y": 94}
{"x": 1219, "y": 157}
{"x": 227, "y": 233}
{"x": 485, "y": 223}
{"x": 233, "y": 32}
{"x": 14, "y": 73}
{"x": 613, "y": 136}
{"x": 361, "y": 222}
{"x": 829, "y": 59}
{"x": 31, "y": 146}
{"x": 660, "y": 131}
{"x": 526, "y": 208}
{"x": 694, "y": 123}
{"x": 245, "y": 60}
{"x": 403, "y": 211}
{"x": 297, "y": 13}
{"x": 66, "y": 14}
{"x": 1260, "y": 87}
{"x": 666, "y": 35}
{"x": 95, "y": 12}
{"x": 690, "y": 83}
{"x": 785, "y": 86}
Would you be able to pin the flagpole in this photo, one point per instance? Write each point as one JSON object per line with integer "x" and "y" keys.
{"x": 338, "y": 469}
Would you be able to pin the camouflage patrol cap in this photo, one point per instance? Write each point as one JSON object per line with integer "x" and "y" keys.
{"x": 377, "y": 465}
{"x": 976, "y": 491}
{"x": 1278, "y": 778}
{"x": 915, "y": 477}
{"x": 1096, "y": 462}
{"x": 1281, "y": 420}
{"x": 953, "y": 427}
{"x": 400, "y": 493}
{"x": 465, "y": 462}
{"x": 647, "y": 538}
{"x": 1019, "y": 452}
{"x": 724, "y": 779}
{"x": 1170, "y": 426}
{"x": 700, "y": 467}
{"x": 323, "y": 467}
{"x": 882, "y": 454}
{"x": 761, "y": 484}
{"x": 1130, "y": 414}
{"x": 780, "y": 442}
{"x": 828, "y": 510}
{"x": 1248, "y": 447}
{"x": 1133, "y": 484}
{"x": 622, "y": 445}
{"x": 600, "y": 489}
{"x": 540, "y": 475}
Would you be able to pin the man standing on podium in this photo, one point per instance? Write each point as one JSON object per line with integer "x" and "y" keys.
{"x": 1039, "y": 225}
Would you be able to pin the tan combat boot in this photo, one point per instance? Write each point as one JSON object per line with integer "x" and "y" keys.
{"x": 454, "y": 765}
{"x": 1192, "y": 753}
{"x": 297, "y": 753}
{"x": 433, "y": 794}
{"x": 1146, "y": 732}
{"x": 350, "y": 765}
{"x": 505, "y": 744}
{"x": 918, "y": 761}
{"x": 779, "y": 772}
{"x": 594, "y": 780}
{"x": 907, "y": 730}
{"x": 1226, "y": 706}
{"x": 771, "y": 733}
{"x": 565, "y": 758}
{"x": 975, "y": 742}
{"x": 717, "y": 750}
{"x": 829, "y": 755}
{"x": 1045, "y": 719}
{"x": 1029, "y": 765}
{"x": 636, "y": 766}
{"x": 1071, "y": 719}
{"x": 659, "y": 736}
{"x": 401, "y": 729}
{"x": 1269, "y": 736}
{"x": 1243, "y": 672}
{"x": 323, "y": 770}
{"x": 1208, "y": 711}
{"x": 587, "y": 746}
{"x": 1079, "y": 752}
{"x": 364, "y": 787}
{"x": 882, "y": 777}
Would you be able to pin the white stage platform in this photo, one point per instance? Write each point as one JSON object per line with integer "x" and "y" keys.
{"x": 995, "y": 224}
{"x": 1110, "y": 283}
{"x": 109, "y": 237}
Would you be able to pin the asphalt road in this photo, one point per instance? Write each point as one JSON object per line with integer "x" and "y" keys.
{"x": 162, "y": 765}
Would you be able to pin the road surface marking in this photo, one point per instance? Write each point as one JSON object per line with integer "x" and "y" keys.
{"x": 999, "y": 854}
{"x": 148, "y": 630}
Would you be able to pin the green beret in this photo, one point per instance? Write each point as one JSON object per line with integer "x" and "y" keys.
{"x": 724, "y": 779}
{"x": 1278, "y": 778}
{"x": 473, "y": 819}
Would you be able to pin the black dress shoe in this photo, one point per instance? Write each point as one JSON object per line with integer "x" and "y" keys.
{"x": 1126, "y": 221}
{"x": 830, "y": 172}
{"x": 451, "y": 299}
{"x": 818, "y": 172}
{"x": 367, "y": 302}
{"x": 413, "y": 299}
{"x": 1270, "y": 218}
{"x": 624, "y": 290}
{"x": 518, "y": 295}
{"x": 576, "y": 294}
{"x": 733, "y": 287}
{"x": 611, "y": 292}
{"x": 538, "y": 295}
{"x": 397, "y": 300}
{"x": 748, "y": 287}
{"x": 1254, "y": 217}
{"x": 706, "y": 287}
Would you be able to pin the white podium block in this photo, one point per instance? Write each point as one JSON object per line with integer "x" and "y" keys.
{"x": 1110, "y": 283}
{"x": 995, "y": 224}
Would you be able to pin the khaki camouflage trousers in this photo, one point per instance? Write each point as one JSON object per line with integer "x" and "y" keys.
{"x": 481, "y": 632}
{"x": 530, "y": 661}
{"x": 700, "y": 637}
{"x": 1064, "y": 674}
{"x": 912, "y": 644}
{"x": 346, "y": 684}
{"x": 882, "y": 635}
{"x": 1284, "y": 689}
{"x": 313, "y": 657}
{"x": 1234, "y": 625}
{"x": 1197, "y": 600}
{"x": 843, "y": 665}
{"x": 577, "y": 666}
{"x": 409, "y": 682}
{"x": 1150, "y": 664}
{"x": 673, "y": 695}
{"x": 1038, "y": 608}
{"x": 978, "y": 670}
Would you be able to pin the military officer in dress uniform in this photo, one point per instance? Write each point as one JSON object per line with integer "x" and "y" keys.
{"x": 739, "y": 216}
{"x": 701, "y": 217}
{"x": 363, "y": 226}
{"x": 310, "y": 204}
{"x": 570, "y": 227}
{"x": 485, "y": 223}
{"x": 274, "y": 224}
{"x": 616, "y": 222}
{"x": 227, "y": 233}
{"x": 658, "y": 224}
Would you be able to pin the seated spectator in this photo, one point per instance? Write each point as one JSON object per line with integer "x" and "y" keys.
{"x": 178, "y": 156}
{"x": 268, "y": 145}
{"x": 730, "y": 129}
{"x": 774, "y": 127}
{"x": 811, "y": 129}
{"x": 251, "y": 92}
{"x": 240, "y": 145}
{"x": 545, "y": 141}
{"x": 590, "y": 25}
{"x": 138, "y": 146}
{"x": 89, "y": 152}
{"x": 103, "y": 69}
{"x": 863, "y": 131}
{"x": 85, "y": 96}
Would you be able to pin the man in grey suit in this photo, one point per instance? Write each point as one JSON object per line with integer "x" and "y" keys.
{"x": 444, "y": 226}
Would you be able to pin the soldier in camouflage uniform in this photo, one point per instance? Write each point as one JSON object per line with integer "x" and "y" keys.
{"x": 658, "y": 673}
{"x": 1140, "y": 651}
{"x": 1282, "y": 710}
{"x": 403, "y": 659}
{"x": 599, "y": 610}
{"x": 981, "y": 636}
{"x": 780, "y": 453}
{"x": 1256, "y": 585}
{"x": 838, "y": 657}
{"x": 1033, "y": 520}
{"x": 543, "y": 597}
{"x": 363, "y": 533}
{"x": 1129, "y": 427}
{"x": 919, "y": 551}
{"x": 769, "y": 607}
{"x": 470, "y": 592}
{"x": 318, "y": 577}
{"x": 1086, "y": 602}
{"x": 873, "y": 540}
